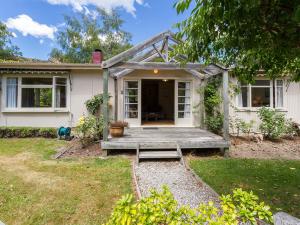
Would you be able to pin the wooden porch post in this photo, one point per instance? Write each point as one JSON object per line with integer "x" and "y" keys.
{"x": 105, "y": 104}
{"x": 116, "y": 99}
{"x": 226, "y": 107}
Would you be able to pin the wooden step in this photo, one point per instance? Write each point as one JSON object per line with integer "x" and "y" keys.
{"x": 159, "y": 155}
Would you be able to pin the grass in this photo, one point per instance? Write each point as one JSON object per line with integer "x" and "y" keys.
{"x": 34, "y": 189}
{"x": 277, "y": 182}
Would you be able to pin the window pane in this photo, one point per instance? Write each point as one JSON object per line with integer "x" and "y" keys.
{"x": 130, "y": 99}
{"x": 180, "y": 114}
{"x": 279, "y": 82}
{"x": 260, "y": 97}
{"x": 279, "y": 100}
{"x": 36, "y": 81}
{"x": 131, "y": 92}
{"x": 262, "y": 83}
{"x": 60, "y": 81}
{"x": 12, "y": 92}
{"x": 243, "y": 97}
{"x": 131, "y": 84}
{"x": 36, "y": 97}
{"x": 183, "y": 93}
{"x": 184, "y": 85}
{"x": 183, "y": 99}
{"x": 60, "y": 97}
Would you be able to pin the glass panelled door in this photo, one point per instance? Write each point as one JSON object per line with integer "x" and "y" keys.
{"x": 131, "y": 101}
{"x": 184, "y": 107}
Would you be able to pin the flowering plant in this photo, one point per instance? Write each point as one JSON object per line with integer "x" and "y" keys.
{"x": 89, "y": 129}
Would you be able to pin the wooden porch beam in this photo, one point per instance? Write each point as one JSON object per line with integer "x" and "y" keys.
{"x": 124, "y": 72}
{"x": 159, "y": 53}
{"x": 105, "y": 104}
{"x": 226, "y": 105}
{"x": 159, "y": 65}
{"x": 132, "y": 51}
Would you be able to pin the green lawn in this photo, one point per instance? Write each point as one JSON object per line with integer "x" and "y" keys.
{"x": 276, "y": 182}
{"x": 35, "y": 189}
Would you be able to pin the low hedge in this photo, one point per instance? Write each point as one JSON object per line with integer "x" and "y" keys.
{"x": 24, "y": 132}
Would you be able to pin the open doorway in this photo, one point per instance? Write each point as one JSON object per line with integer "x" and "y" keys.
{"x": 158, "y": 102}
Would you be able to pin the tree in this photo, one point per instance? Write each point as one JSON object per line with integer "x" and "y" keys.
{"x": 83, "y": 35}
{"x": 249, "y": 35}
{"x": 7, "y": 50}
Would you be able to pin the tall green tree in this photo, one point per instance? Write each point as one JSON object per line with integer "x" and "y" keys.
{"x": 249, "y": 35}
{"x": 85, "y": 33}
{"x": 7, "y": 50}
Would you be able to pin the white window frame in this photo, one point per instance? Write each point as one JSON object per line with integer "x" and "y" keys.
{"x": 19, "y": 107}
{"x": 133, "y": 121}
{"x": 186, "y": 122}
{"x": 271, "y": 87}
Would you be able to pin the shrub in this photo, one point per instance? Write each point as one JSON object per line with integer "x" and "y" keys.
{"x": 212, "y": 101}
{"x": 239, "y": 126}
{"x": 89, "y": 129}
{"x": 93, "y": 104}
{"x": 214, "y": 123}
{"x": 161, "y": 208}
{"x": 274, "y": 125}
{"x": 24, "y": 132}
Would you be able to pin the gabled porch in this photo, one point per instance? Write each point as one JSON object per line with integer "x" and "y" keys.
{"x": 156, "y": 54}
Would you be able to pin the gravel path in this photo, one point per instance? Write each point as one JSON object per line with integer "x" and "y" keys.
{"x": 186, "y": 189}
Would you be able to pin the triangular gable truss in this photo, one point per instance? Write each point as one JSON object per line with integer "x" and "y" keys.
{"x": 154, "y": 53}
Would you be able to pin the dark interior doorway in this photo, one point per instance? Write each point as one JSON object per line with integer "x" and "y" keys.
{"x": 158, "y": 102}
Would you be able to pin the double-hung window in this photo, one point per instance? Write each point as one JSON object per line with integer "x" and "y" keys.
{"x": 262, "y": 93}
{"x": 36, "y": 92}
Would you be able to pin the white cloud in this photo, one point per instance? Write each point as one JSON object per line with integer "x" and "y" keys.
{"x": 14, "y": 34}
{"x": 79, "y": 5}
{"x": 27, "y": 26}
{"x": 41, "y": 41}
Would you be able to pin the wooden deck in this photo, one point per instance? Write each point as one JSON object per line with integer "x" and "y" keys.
{"x": 165, "y": 138}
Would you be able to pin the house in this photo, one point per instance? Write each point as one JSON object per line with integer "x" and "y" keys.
{"x": 147, "y": 85}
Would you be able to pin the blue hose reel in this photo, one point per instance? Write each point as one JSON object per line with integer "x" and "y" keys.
{"x": 64, "y": 133}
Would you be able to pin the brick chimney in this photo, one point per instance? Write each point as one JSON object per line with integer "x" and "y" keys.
{"x": 97, "y": 56}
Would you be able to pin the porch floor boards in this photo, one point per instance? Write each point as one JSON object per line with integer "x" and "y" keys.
{"x": 165, "y": 138}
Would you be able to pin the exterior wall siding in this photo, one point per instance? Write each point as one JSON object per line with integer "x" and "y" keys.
{"x": 291, "y": 102}
{"x": 87, "y": 83}
{"x": 84, "y": 85}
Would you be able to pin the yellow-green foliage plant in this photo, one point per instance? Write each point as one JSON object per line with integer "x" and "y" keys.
{"x": 162, "y": 209}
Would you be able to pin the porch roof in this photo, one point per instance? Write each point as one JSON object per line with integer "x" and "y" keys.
{"x": 154, "y": 53}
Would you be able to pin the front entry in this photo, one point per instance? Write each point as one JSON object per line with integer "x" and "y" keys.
{"x": 158, "y": 102}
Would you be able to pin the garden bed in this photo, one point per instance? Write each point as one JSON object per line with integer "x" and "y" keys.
{"x": 283, "y": 149}
{"x": 74, "y": 149}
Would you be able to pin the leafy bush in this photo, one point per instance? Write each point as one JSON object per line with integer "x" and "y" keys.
{"x": 274, "y": 125}
{"x": 241, "y": 126}
{"x": 89, "y": 129}
{"x": 214, "y": 123}
{"x": 24, "y": 132}
{"x": 93, "y": 104}
{"x": 212, "y": 101}
{"x": 161, "y": 208}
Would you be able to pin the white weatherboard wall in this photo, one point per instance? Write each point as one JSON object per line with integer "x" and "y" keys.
{"x": 291, "y": 102}
{"x": 84, "y": 85}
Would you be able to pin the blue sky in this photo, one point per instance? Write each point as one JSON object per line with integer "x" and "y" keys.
{"x": 34, "y": 23}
